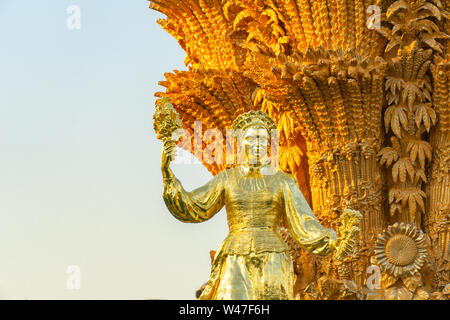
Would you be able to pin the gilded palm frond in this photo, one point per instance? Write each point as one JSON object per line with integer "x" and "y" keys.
{"x": 410, "y": 21}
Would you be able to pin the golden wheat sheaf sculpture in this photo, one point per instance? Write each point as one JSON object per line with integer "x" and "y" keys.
{"x": 360, "y": 99}
{"x": 240, "y": 51}
{"x": 320, "y": 76}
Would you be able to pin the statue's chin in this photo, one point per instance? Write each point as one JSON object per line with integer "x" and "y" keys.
{"x": 256, "y": 163}
{"x": 264, "y": 166}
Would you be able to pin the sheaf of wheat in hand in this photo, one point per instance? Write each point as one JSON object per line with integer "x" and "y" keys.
{"x": 166, "y": 120}
{"x": 348, "y": 230}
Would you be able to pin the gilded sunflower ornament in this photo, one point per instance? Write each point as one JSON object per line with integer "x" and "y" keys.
{"x": 400, "y": 250}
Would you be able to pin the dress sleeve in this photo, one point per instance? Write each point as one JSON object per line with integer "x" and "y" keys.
{"x": 198, "y": 205}
{"x": 301, "y": 222}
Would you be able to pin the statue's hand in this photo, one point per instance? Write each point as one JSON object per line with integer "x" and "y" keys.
{"x": 167, "y": 155}
{"x": 348, "y": 230}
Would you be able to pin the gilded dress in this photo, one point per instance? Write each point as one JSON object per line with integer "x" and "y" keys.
{"x": 253, "y": 262}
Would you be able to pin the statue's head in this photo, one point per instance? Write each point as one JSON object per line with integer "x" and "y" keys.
{"x": 254, "y": 134}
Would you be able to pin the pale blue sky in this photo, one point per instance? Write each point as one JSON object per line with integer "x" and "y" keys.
{"x": 80, "y": 182}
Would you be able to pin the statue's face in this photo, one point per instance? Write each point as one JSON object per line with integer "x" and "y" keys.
{"x": 255, "y": 142}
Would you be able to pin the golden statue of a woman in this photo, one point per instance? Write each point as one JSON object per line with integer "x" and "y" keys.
{"x": 253, "y": 262}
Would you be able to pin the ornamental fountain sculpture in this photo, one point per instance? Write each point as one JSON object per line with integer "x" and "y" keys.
{"x": 253, "y": 261}
{"x": 358, "y": 90}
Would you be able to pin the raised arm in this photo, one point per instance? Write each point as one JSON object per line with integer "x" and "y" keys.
{"x": 196, "y": 206}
